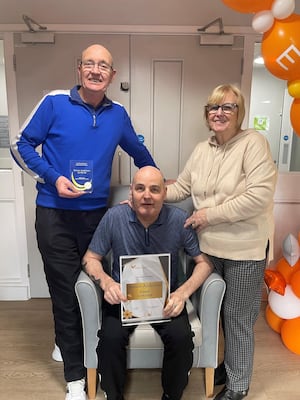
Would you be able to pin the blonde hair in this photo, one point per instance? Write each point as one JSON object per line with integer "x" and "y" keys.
{"x": 217, "y": 96}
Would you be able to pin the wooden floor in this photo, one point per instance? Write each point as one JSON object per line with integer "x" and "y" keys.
{"x": 27, "y": 371}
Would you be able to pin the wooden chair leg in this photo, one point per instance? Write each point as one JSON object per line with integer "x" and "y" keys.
{"x": 91, "y": 383}
{"x": 209, "y": 381}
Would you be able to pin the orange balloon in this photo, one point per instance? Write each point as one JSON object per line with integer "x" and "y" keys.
{"x": 290, "y": 334}
{"x": 280, "y": 48}
{"x": 295, "y": 284}
{"x": 248, "y": 6}
{"x": 285, "y": 269}
{"x": 294, "y": 88}
{"x": 275, "y": 281}
{"x": 295, "y": 116}
{"x": 273, "y": 320}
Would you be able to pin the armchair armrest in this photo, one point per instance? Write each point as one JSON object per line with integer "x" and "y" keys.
{"x": 207, "y": 302}
{"x": 90, "y": 300}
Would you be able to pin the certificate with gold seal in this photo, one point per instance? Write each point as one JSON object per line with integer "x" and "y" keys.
{"x": 144, "y": 281}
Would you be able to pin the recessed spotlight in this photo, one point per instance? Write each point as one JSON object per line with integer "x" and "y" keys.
{"x": 259, "y": 60}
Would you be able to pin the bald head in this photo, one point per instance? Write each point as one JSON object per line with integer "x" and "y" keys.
{"x": 148, "y": 172}
{"x": 148, "y": 192}
{"x": 97, "y": 51}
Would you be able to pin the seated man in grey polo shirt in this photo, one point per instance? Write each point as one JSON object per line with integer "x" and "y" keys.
{"x": 146, "y": 226}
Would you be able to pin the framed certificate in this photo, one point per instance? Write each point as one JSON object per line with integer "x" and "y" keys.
{"x": 144, "y": 281}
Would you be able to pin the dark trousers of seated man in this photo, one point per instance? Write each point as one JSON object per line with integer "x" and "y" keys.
{"x": 176, "y": 336}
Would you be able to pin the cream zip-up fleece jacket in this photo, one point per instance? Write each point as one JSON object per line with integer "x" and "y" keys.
{"x": 236, "y": 183}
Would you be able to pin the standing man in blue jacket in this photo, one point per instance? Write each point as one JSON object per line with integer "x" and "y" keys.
{"x": 78, "y": 130}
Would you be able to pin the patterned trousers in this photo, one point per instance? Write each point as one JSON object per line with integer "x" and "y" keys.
{"x": 241, "y": 305}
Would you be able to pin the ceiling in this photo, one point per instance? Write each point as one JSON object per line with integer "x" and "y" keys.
{"x": 122, "y": 12}
{"x": 196, "y": 13}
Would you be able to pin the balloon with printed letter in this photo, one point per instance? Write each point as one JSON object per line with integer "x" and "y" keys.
{"x": 281, "y": 48}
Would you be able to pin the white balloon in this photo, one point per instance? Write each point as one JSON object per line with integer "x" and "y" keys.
{"x": 286, "y": 306}
{"x": 291, "y": 249}
{"x": 282, "y": 9}
{"x": 262, "y": 21}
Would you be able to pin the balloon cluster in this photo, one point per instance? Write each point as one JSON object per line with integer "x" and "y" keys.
{"x": 283, "y": 309}
{"x": 280, "y": 43}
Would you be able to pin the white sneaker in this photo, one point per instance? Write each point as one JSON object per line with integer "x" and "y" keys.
{"x": 75, "y": 390}
{"x": 56, "y": 354}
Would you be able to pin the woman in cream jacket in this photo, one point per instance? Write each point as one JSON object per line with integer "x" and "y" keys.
{"x": 231, "y": 178}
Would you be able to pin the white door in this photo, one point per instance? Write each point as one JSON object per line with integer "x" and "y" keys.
{"x": 171, "y": 78}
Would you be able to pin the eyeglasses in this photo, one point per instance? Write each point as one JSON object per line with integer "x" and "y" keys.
{"x": 227, "y": 108}
{"x": 101, "y": 66}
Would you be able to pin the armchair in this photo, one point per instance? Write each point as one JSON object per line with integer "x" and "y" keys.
{"x": 145, "y": 348}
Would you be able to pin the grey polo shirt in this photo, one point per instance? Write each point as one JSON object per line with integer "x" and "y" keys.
{"x": 120, "y": 231}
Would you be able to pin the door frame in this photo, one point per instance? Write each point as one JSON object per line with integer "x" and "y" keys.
{"x": 17, "y": 288}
